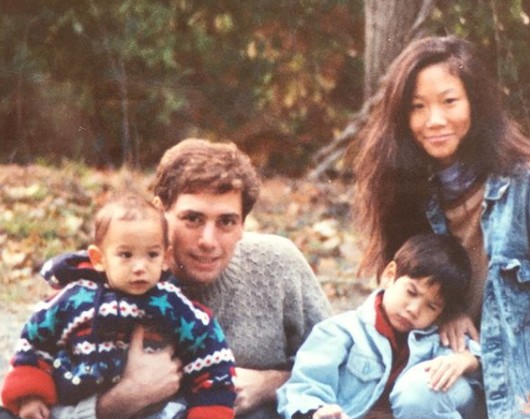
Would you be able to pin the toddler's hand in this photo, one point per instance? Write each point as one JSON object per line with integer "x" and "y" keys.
{"x": 330, "y": 411}
{"x": 33, "y": 408}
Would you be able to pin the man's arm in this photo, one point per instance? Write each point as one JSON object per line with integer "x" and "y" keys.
{"x": 255, "y": 387}
{"x": 148, "y": 379}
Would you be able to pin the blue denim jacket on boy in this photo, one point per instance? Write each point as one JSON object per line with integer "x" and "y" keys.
{"x": 346, "y": 361}
{"x": 505, "y": 325}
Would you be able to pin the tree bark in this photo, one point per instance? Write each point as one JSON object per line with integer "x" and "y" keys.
{"x": 389, "y": 26}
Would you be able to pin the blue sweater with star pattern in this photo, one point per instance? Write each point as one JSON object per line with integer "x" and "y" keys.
{"x": 79, "y": 338}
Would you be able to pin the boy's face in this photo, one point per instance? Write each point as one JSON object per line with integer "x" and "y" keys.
{"x": 132, "y": 255}
{"x": 412, "y": 303}
{"x": 204, "y": 229}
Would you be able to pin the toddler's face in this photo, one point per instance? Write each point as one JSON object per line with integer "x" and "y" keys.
{"x": 412, "y": 303}
{"x": 134, "y": 255}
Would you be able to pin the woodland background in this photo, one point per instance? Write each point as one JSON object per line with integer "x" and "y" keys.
{"x": 116, "y": 82}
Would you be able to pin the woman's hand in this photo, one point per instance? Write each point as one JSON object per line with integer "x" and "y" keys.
{"x": 453, "y": 331}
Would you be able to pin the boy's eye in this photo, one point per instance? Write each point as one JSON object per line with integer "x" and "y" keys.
{"x": 125, "y": 255}
{"x": 154, "y": 254}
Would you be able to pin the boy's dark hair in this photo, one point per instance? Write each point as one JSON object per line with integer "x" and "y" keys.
{"x": 440, "y": 258}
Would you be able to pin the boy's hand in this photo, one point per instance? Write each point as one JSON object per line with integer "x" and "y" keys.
{"x": 445, "y": 370}
{"x": 525, "y": 405}
{"x": 330, "y": 411}
{"x": 33, "y": 408}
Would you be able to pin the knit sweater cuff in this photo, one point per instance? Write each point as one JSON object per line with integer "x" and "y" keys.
{"x": 208, "y": 412}
{"x": 23, "y": 381}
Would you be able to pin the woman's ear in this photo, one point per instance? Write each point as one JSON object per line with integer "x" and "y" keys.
{"x": 97, "y": 258}
{"x": 389, "y": 275}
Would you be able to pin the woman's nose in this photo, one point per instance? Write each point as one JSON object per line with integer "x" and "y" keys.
{"x": 436, "y": 117}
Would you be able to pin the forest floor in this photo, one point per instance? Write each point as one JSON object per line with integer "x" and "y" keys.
{"x": 45, "y": 211}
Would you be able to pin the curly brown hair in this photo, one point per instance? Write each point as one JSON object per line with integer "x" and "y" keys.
{"x": 196, "y": 165}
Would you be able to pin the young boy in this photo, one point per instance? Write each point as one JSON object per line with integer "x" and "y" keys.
{"x": 352, "y": 363}
{"x": 75, "y": 344}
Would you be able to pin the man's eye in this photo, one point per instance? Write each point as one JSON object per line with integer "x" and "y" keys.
{"x": 193, "y": 218}
{"x": 227, "y": 222}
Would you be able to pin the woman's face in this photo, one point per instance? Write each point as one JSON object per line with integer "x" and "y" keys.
{"x": 440, "y": 113}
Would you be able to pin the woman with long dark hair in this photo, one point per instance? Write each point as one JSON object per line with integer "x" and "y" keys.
{"x": 440, "y": 153}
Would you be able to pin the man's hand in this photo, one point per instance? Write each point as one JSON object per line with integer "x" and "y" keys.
{"x": 453, "y": 331}
{"x": 148, "y": 379}
{"x": 330, "y": 411}
{"x": 255, "y": 387}
{"x": 33, "y": 408}
{"x": 445, "y": 370}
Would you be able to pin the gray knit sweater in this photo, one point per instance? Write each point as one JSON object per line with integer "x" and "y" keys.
{"x": 267, "y": 301}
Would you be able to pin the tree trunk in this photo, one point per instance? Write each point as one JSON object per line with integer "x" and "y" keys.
{"x": 389, "y": 26}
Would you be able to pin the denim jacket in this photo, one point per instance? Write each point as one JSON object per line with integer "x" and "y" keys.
{"x": 505, "y": 325}
{"x": 345, "y": 361}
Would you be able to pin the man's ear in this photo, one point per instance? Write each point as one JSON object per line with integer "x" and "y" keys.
{"x": 389, "y": 275}
{"x": 96, "y": 258}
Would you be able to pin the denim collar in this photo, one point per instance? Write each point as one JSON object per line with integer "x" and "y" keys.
{"x": 496, "y": 187}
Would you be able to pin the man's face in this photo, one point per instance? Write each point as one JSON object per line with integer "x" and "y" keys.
{"x": 204, "y": 229}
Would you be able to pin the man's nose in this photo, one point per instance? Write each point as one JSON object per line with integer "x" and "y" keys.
{"x": 208, "y": 236}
